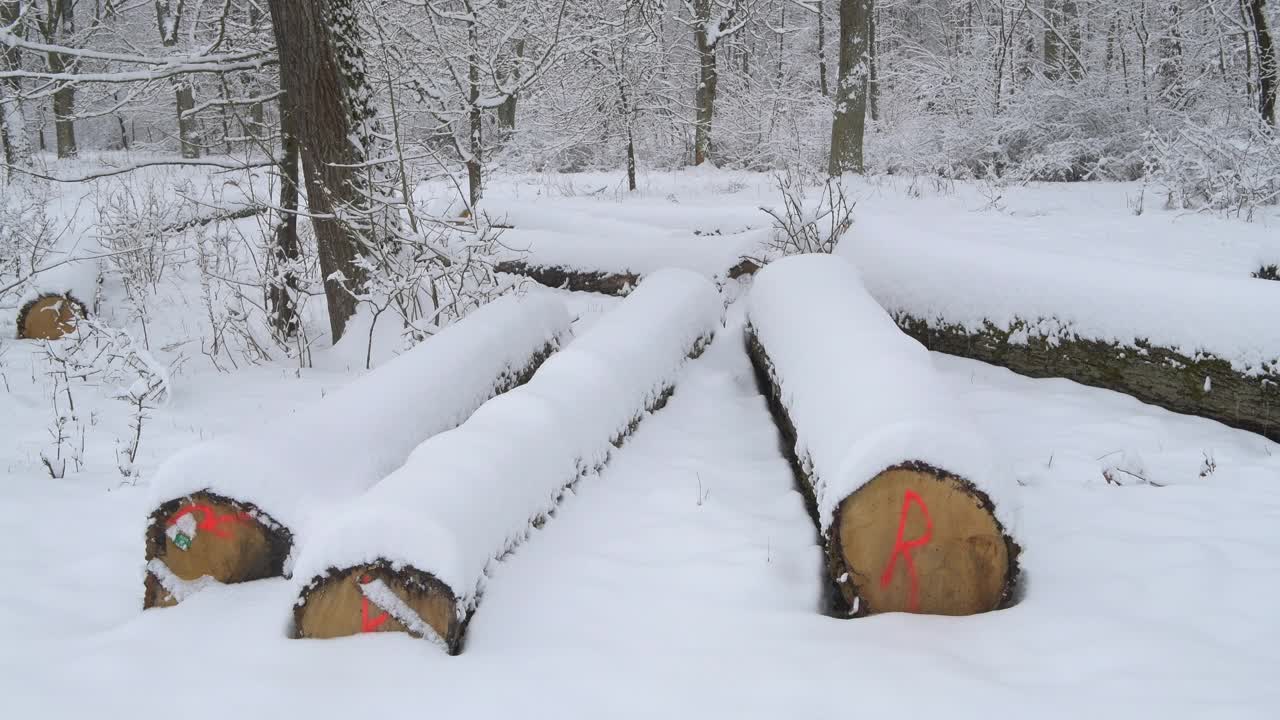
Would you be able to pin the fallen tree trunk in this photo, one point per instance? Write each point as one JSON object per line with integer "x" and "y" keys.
{"x": 1189, "y": 342}
{"x": 618, "y": 282}
{"x": 411, "y": 554}
{"x": 912, "y": 514}
{"x": 233, "y": 510}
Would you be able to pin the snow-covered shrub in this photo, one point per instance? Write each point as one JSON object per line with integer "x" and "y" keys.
{"x": 433, "y": 275}
{"x": 801, "y": 226}
{"x": 113, "y": 359}
{"x": 1227, "y": 167}
{"x": 138, "y": 224}
{"x": 28, "y": 236}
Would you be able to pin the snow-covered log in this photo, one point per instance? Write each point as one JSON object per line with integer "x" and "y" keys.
{"x": 412, "y": 554}
{"x": 233, "y": 509}
{"x": 1190, "y": 342}
{"x": 913, "y": 514}
{"x": 619, "y": 282}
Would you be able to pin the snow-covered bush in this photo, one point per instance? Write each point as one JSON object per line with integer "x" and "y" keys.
{"x": 803, "y": 226}
{"x": 139, "y": 223}
{"x": 1226, "y": 167}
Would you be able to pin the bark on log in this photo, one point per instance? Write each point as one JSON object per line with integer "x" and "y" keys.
{"x": 576, "y": 280}
{"x": 1205, "y": 385}
{"x": 598, "y": 281}
{"x": 947, "y": 555}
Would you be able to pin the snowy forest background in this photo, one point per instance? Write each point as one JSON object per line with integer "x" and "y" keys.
{"x": 1045, "y": 90}
{"x": 356, "y": 104}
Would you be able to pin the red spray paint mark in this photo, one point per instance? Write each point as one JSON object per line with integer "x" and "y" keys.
{"x": 209, "y": 520}
{"x": 367, "y": 623}
{"x": 903, "y": 548}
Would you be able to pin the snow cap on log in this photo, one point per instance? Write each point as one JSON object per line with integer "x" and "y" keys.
{"x": 290, "y": 474}
{"x": 1190, "y": 342}
{"x": 870, "y": 421}
{"x": 471, "y": 495}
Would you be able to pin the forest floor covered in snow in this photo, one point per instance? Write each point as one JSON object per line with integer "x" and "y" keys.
{"x": 685, "y": 581}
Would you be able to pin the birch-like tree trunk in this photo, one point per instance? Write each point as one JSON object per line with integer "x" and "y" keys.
{"x": 13, "y": 126}
{"x": 849, "y": 121}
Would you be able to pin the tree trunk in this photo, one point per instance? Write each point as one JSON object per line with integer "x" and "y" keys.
{"x": 849, "y": 121}
{"x": 873, "y": 85}
{"x": 704, "y": 99}
{"x": 322, "y": 73}
{"x": 822, "y": 49}
{"x": 1051, "y": 43}
{"x": 168, "y": 19}
{"x": 60, "y": 25}
{"x": 1268, "y": 73}
{"x": 507, "y": 110}
{"x": 475, "y": 116}
{"x": 186, "y": 101}
{"x": 281, "y": 303}
{"x": 13, "y": 126}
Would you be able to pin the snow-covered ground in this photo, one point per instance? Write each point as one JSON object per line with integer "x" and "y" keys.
{"x": 684, "y": 581}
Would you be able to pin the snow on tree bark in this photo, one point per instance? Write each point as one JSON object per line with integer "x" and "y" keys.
{"x": 849, "y": 120}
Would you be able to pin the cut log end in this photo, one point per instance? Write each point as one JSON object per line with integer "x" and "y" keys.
{"x": 50, "y": 317}
{"x": 209, "y": 536}
{"x": 919, "y": 539}
{"x": 379, "y": 598}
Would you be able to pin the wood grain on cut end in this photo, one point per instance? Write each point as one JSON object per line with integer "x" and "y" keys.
{"x": 918, "y": 539}
{"x": 335, "y": 606}
{"x": 206, "y": 535}
{"x": 49, "y": 317}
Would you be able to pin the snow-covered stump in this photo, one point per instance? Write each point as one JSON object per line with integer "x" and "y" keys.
{"x": 912, "y": 513}
{"x": 234, "y": 509}
{"x": 412, "y": 554}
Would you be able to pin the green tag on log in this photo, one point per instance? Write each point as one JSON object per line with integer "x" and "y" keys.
{"x": 182, "y": 541}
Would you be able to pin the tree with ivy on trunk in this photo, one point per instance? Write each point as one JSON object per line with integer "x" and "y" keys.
{"x": 330, "y": 102}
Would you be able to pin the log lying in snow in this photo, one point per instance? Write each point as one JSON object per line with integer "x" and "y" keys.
{"x": 1190, "y": 342}
{"x": 412, "y": 553}
{"x": 912, "y": 514}
{"x": 50, "y": 316}
{"x": 233, "y": 509}
{"x": 618, "y": 282}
